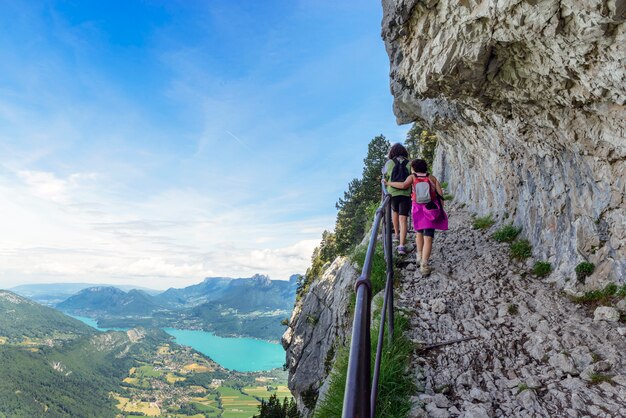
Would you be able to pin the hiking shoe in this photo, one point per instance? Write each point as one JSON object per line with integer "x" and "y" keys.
{"x": 425, "y": 270}
{"x": 395, "y": 238}
{"x": 401, "y": 250}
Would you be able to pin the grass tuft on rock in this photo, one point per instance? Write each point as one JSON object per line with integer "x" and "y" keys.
{"x": 584, "y": 270}
{"x": 597, "y": 378}
{"x": 521, "y": 249}
{"x": 542, "y": 268}
{"x": 606, "y": 297}
{"x": 507, "y": 233}
{"x": 483, "y": 223}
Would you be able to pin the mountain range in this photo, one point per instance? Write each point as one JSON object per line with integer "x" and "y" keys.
{"x": 51, "y": 294}
{"x": 251, "y": 306}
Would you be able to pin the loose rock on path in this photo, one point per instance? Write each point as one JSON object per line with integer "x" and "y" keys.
{"x": 537, "y": 354}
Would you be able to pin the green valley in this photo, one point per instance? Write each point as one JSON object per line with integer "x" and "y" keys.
{"x": 55, "y": 365}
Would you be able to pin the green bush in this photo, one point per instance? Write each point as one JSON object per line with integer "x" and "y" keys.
{"x": 584, "y": 270}
{"x": 521, "y": 249}
{"x": 610, "y": 293}
{"x": 507, "y": 233}
{"x": 483, "y": 223}
{"x": 542, "y": 268}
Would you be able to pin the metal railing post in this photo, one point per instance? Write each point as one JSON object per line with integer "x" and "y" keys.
{"x": 390, "y": 316}
{"x": 360, "y": 397}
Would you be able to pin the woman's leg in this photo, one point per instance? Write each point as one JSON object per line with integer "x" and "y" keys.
{"x": 395, "y": 220}
{"x": 419, "y": 243}
{"x": 429, "y": 235}
{"x": 404, "y": 222}
{"x": 427, "y": 248}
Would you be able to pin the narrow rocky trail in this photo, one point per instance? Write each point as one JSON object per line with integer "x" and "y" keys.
{"x": 536, "y": 354}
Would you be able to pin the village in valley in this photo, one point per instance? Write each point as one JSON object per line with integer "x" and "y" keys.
{"x": 180, "y": 382}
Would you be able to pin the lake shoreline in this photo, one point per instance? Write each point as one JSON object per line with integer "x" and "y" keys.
{"x": 239, "y": 353}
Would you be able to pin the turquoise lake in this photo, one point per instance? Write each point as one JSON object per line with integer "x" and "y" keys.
{"x": 241, "y": 354}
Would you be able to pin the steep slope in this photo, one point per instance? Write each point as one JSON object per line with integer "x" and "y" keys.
{"x": 320, "y": 323}
{"x": 56, "y": 366}
{"x": 21, "y": 318}
{"x": 74, "y": 380}
{"x": 527, "y": 98}
{"x": 534, "y": 352}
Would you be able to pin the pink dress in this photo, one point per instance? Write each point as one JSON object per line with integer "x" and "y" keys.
{"x": 429, "y": 215}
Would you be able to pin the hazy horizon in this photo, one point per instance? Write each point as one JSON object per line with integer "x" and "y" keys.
{"x": 129, "y": 285}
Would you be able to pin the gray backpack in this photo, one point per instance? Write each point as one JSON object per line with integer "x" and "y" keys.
{"x": 421, "y": 189}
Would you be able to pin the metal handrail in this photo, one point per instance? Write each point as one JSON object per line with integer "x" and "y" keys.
{"x": 359, "y": 397}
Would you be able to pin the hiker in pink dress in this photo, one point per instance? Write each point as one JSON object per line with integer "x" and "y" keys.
{"x": 427, "y": 210}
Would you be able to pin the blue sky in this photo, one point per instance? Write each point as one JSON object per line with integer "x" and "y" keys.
{"x": 158, "y": 143}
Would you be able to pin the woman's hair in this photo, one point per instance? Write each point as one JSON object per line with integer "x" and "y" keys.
{"x": 397, "y": 150}
{"x": 419, "y": 166}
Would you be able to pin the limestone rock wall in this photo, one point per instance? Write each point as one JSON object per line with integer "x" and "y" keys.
{"x": 528, "y": 99}
{"x": 319, "y": 324}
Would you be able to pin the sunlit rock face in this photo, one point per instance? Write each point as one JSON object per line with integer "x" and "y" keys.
{"x": 319, "y": 325}
{"x": 528, "y": 100}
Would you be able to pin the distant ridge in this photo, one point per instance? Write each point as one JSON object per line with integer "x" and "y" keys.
{"x": 111, "y": 300}
{"x": 253, "y": 306}
{"x": 53, "y": 293}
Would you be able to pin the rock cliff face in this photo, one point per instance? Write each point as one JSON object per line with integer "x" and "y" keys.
{"x": 319, "y": 324}
{"x": 528, "y": 99}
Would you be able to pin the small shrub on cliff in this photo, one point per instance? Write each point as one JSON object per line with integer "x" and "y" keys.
{"x": 521, "y": 249}
{"x": 507, "y": 233}
{"x": 483, "y": 223}
{"x": 584, "y": 270}
{"x": 607, "y": 296}
{"x": 309, "y": 397}
{"x": 542, "y": 268}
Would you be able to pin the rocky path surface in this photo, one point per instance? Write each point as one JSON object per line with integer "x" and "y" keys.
{"x": 536, "y": 354}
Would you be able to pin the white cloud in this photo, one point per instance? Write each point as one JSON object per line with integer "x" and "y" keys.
{"x": 59, "y": 229}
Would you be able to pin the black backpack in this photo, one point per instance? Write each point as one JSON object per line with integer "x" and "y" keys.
{"x": 400, "y": 172}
